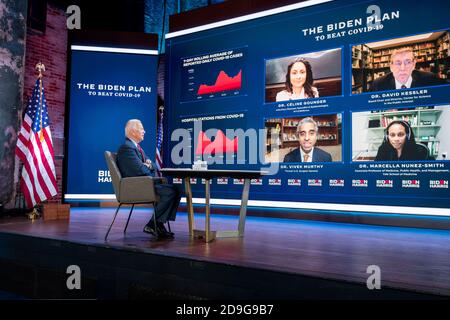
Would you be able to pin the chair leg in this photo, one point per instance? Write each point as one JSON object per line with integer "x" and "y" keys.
{"x": 154, "y": 219}
{"x": 129, "y": 216}
{"x": 114, "y": 219}
{"x": 168, "y": 225}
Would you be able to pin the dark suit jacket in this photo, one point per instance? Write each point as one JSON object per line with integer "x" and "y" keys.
{"x": 131, "y": 164}
{"x": 130, "y": 161}
{"x": 318, "y": 156}
{"x": 419, "y": 79}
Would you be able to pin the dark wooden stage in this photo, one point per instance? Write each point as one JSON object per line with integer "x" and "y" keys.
{"x": 277, "y": 259}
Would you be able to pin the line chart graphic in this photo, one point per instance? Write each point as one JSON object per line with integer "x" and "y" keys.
{"x": 214, "y": 75}
{"x": 223, "y": 83}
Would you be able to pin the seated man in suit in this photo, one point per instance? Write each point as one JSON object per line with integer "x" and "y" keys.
{"x": 132, "y": 162}
{"x": 403, "y": 74}
{"x": 307, "y": 152}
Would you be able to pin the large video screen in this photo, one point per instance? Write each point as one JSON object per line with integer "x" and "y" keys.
{"x": 107, "y": 88}
{"x": 341, "y": 102}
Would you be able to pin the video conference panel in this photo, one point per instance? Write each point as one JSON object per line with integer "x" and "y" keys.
{"x": 341, "y": 102}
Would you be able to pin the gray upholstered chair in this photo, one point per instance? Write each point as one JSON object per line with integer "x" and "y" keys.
{"x": 130, "y": 190}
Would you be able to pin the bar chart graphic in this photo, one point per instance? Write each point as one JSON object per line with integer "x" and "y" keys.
{"x": 220, "y": 145}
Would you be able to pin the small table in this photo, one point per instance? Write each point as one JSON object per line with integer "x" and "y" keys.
{"x": 187, "y": 174}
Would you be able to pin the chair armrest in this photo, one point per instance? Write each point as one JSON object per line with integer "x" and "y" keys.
{"x": 138, "y": 189}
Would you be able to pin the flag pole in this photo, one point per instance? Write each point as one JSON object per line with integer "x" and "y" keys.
{"x": 40, "y": 68}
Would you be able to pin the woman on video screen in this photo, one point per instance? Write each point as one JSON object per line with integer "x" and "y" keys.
{"x": 299, "y": 82}
{"x": 399, "y": 144}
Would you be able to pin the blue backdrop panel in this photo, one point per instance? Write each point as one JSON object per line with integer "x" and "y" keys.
{"x": 106, "y": 90}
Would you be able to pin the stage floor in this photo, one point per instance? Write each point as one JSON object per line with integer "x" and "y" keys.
{"x": 411, "y": 259}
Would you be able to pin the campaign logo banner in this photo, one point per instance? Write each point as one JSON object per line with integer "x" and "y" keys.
{"x": 238, "y": 181}
{"x": 193, "y": 180}
{"x": 337, "y": 182}
{"x": 439, "y": 184}
{"x": 222, "y": 180}
{"x": 315, "y": 182}
{"x": 294, "y": 182}
{"x": 177, "y": 180}
{"x": 410, "y": 183}
{"x": 360, "y": 183}
{"x": 275, "y": 182}
{"x": 257, "y": 182}
{"x": 385, "y": 183}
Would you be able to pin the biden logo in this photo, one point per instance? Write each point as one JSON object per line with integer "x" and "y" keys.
{"x": 315, "y": 182}
{"x": 177, "y": 181}
{"x": 104, "y": 176}
{"x": 257, "y": 182}
{"x": 360, "y": 183}
{"x": 336, "y": 182}
{"x": 294, "y": 182}
{"x": 275, "y": 182}
{"x": 222, "y": 180}
{"x": 385, "y": 183}
{"x": 410, "y": 183}
{"x": 439, "y": 184}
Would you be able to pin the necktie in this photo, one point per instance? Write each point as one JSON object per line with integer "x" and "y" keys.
{"x": 141, "y": 152}
{"x": 403, "y": 86}
{"x": 305, "y": 157}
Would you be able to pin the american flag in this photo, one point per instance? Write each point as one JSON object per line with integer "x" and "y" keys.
{"x": 35, "y": 150}
{"x": 159, "y": 138}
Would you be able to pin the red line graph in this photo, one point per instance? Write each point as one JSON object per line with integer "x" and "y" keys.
{"x": 223, "y": 83}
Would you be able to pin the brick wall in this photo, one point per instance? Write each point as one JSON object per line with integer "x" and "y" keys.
{"x": 51, "y": 49}
{"x": 12, "y": 61}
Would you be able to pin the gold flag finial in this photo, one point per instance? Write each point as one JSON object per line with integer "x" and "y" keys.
{"x": 40, "y": 67}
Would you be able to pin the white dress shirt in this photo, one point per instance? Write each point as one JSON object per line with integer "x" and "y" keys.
{"x": 310, "y": 154}
{"x": 399, "y": 85}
